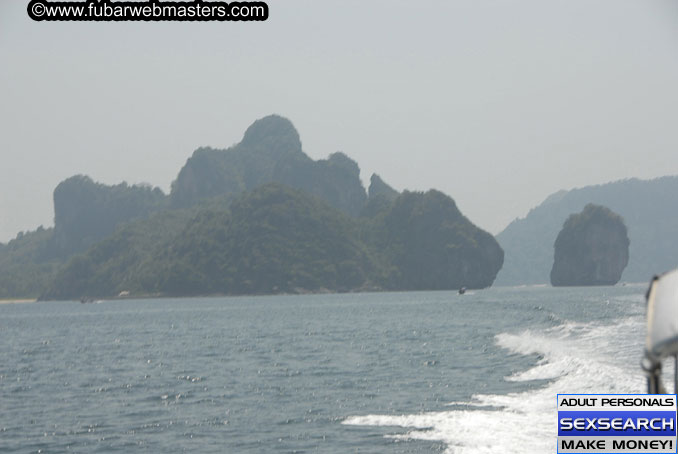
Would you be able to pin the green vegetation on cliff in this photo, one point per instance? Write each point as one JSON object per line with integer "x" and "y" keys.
{"x": 118, "y": 262}
{"x": 591, "y": 249}
{"x": 429, "y": 244}
{"x": 276, "y": 239}
{"x": 259, "y": 217}
{"x": 28, "y": 264}
{"x": 85, "y": 212}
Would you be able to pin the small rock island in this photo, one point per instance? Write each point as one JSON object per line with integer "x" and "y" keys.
{"x": 591, "y": 249}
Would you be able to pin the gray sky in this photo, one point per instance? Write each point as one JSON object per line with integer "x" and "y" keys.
{"x": 496, "y": 103}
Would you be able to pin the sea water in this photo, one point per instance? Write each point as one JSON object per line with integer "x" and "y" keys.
{"x": 414, "y": 372}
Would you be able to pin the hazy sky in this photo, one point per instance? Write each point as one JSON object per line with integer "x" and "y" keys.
{"x": 496, "y": 103}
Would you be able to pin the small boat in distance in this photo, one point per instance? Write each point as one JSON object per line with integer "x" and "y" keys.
{"x": 462, "y": 290}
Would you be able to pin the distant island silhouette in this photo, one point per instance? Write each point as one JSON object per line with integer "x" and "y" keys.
{"x": 650, "y": 212}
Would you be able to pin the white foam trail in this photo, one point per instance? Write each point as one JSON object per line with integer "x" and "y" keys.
{"x": 576, "y": 357}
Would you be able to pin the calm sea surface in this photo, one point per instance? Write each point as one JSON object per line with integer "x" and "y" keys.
{"x": 419, "y": 372}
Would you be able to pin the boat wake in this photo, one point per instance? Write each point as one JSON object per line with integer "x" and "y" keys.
{"x": 575, "y": 358}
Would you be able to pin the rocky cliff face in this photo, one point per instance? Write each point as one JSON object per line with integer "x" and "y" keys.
{"x": 270, "y": 152}
{"x": 650, "y": 212}
{"x": 591, "y": 249}
{"x": 85, "y": 211}
{"x": 263, "y": 218}
{"x": 276, "y": 239}
{"x": 433, "y": 246}
{"x": 379, "y": 188}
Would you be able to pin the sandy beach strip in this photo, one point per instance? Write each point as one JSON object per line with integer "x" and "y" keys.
{"x": 17, "y": 301}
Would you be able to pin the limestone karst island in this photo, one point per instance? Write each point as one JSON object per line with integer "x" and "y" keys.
{"x": 262, "y": 217}
{"x": 257, "y": 218}
{"x": 591, "y": 249}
